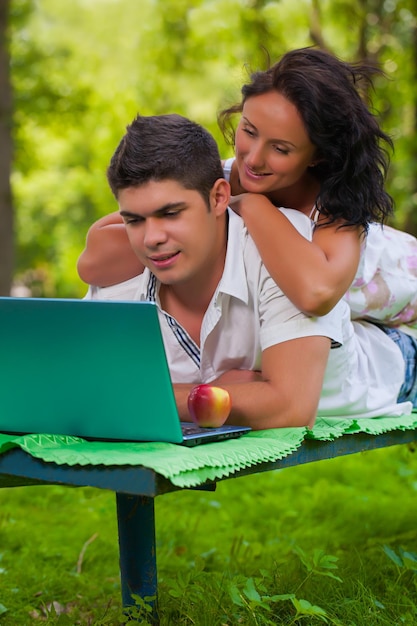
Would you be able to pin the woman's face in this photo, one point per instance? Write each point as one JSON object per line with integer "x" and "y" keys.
{"x": 273, "y": 150}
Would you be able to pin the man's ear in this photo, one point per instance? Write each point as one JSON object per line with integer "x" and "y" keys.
{"x": 220, "y": 196}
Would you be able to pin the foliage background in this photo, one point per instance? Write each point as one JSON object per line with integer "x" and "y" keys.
{"x": 82, "y": 69}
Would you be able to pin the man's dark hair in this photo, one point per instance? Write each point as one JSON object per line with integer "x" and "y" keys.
{"x": 165, "y": 147}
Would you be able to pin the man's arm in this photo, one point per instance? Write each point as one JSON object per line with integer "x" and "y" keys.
{"x": 288, "y": 395}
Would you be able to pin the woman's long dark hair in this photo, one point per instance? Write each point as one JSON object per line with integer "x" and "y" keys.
{"x": 352, "y": 149}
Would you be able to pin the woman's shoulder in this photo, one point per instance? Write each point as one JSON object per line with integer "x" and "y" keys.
{"x": 300, "y": 221}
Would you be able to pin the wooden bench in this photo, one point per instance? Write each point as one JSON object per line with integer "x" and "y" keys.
{"x": 137, "y": 487}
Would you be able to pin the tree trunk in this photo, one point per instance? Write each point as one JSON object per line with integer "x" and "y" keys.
{"x": 6, "y": 208}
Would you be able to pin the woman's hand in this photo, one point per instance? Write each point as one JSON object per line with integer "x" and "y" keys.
{"x": 246, "y": 203}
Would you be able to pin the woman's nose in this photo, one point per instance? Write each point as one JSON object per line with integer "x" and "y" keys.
{"x": 255, "y": 156}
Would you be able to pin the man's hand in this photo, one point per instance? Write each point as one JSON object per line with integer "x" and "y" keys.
{"x": 182, "y": 390}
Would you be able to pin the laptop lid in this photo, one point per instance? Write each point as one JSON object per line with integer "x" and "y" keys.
{"x": 90, "y": 369}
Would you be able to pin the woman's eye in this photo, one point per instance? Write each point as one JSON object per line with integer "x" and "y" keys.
{"x": 281, "y": 150}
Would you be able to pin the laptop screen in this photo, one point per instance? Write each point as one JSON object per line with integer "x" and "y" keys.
{"x": 90, "y": 369}
{"x": 87, "y": 368}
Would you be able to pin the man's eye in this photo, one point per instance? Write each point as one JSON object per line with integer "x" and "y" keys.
{"x": 171, "y": 213}
{"x": 132, "y": 220}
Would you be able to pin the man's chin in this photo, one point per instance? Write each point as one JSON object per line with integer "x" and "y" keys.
{"x": 166, "y": 277}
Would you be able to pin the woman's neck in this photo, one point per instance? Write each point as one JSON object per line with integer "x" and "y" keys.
{"x": 302, "y": 196}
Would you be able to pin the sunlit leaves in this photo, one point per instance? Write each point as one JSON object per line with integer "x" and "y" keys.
{"x": 81, "y": 70}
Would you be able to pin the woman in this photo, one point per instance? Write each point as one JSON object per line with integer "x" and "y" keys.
{"x": 307, "y": 141}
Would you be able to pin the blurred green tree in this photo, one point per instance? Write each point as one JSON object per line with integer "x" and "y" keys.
{"x": 6, "y": 208}
{"x": 81, "y": 71}
{"x": 382, "y": 34}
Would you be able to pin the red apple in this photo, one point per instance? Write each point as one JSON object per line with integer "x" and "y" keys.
{"x": 209, "y": 406}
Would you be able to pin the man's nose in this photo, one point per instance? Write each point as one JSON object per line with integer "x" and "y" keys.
{"x": 154, "y": 233}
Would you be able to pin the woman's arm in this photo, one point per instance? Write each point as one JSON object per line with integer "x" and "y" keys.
{"x": 314, "y": 275}
{"x": 108, "y": 258}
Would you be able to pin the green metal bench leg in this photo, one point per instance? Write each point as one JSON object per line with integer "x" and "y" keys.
{"x": 136, "y": 523}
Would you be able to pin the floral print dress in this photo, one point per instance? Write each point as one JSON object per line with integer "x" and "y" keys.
{"x": 385, "y": 286}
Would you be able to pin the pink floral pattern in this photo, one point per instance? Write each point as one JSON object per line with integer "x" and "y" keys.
{"x": 385, "y": 285}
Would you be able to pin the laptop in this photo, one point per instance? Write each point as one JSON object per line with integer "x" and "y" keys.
{"x": 91, "y": 369}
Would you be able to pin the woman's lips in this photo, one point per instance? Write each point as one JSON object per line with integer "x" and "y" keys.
{"x": 249, "y": 173}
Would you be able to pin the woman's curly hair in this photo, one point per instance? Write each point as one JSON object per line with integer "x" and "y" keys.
{"x": 352, "y": 149}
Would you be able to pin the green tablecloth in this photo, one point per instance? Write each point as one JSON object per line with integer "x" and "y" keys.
{"x": 188, "y": 467}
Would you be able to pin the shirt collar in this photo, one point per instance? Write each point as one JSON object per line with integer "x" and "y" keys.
{"x": 233, "y": 281}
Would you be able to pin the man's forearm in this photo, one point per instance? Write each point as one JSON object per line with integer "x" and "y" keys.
{"x": 181, "y": 391}
{"x": 260, "y": 405}
{"x": 288, "y": 395}
{"x": 256, "y": 404}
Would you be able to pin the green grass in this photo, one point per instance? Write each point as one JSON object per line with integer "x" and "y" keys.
{"x": 331, "y": 542}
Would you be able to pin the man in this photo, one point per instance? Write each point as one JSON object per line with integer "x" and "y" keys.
{"x": 223, "y": 319}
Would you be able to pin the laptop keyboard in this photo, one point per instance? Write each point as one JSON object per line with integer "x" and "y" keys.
{"x": 190, "y": 428}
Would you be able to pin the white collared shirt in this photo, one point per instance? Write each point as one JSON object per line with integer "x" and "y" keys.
{"x": 249, "y": 313}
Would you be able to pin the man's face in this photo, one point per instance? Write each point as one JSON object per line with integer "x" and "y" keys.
{"x": 172, "y": 231}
